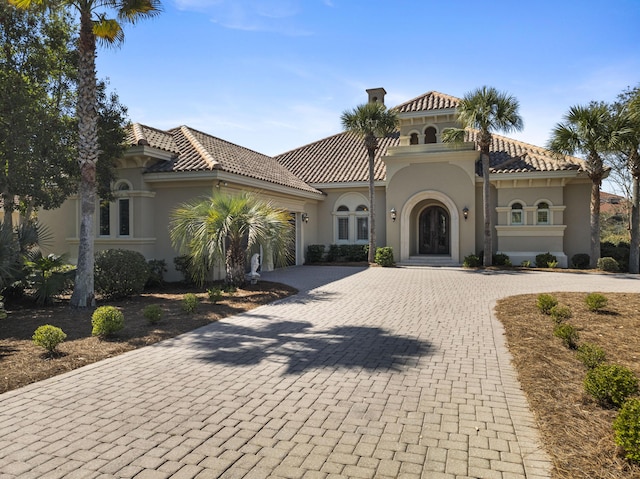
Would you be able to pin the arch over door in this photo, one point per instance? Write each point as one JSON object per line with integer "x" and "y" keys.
{"x": 434, "y": 234}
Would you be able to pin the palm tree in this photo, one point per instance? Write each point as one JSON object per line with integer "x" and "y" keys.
{"x": 219, "y": 227}
{"x": 586, "y": 130}
{"x": 95, "y": 24}
{"x": 370, "y": 121}
{"x": 486, "y": 110}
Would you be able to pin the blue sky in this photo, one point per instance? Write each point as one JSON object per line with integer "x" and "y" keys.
{"x": 272, "y": 75}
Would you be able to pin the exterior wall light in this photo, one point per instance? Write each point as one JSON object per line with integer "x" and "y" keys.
{"x": 465, "y": 213}
{"x": 305, "y": 217}
{"x": 393, "y": 214}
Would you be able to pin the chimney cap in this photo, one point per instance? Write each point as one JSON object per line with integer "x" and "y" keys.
{"x": 376, "y": 95}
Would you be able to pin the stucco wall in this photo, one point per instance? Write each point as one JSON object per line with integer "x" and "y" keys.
{"x": 577, "y": 235}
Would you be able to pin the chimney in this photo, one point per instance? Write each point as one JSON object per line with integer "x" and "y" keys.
{"x": 376, "y": 95}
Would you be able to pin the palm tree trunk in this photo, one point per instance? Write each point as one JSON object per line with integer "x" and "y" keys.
{"x": 372, "y": 214}
{"x": 83, "y": 291}
{"x": 634, "y": 251}
{"x": 235, "y": 265}
{"x": 486, "y": 204}
{"x": 595, "y": 222}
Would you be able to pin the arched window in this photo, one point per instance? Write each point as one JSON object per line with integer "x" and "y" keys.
{"x": 124, "y": 209}
{"x": 517, "y": 215}
{"x": 343, "y": 223}
{"x": 542, "y": 214}
{"x": 351, "y": 223}
{"x": 413, "y": 140}
{"x": 105, "y": 218}
{"x": 430, "y": 135}
{"x": 362, "y": 223}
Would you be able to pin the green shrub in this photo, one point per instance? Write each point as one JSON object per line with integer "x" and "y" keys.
{"x": 334, "y": 253}
{"x": 545, "y": 302}
{"x": 230, "y": 289}
{"x": 384, "y": 256}
{"x": 596, "y": 301}
{"x": 627, "y": 429}
{"x": 106, "y": 320}
{"x": 580, "y": 261}
{"x": 156, "y": 268}
{"x": 215, "y": 295}
{"x": 560, "y": 313}
{"x": 610, "y": 384}
{"x": 501, "y": 259}
{"x": 608, "y": 264}
{"x": 153, "y": 313}
{"x": 526, "y": 263}
{"x": 354, "y": 252}
{"x": 543, "y": 259}
{"x": 552, "y": 264}
{"x": 120, "y": 273}
{"x": 183, "y": 266}
{"x": 48, "y": 276}
{"x": 48, "y": 337}
{"x": 190, "y": 303}
{"x": 591, "y": 355}
{"x": 619, "y": 252}
{"x": 315, "y": 253}
{"x": 472, "y": 261}
{"x": 568, "y": 334}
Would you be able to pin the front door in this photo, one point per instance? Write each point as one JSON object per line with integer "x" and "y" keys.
{"x": 434, "y": 231}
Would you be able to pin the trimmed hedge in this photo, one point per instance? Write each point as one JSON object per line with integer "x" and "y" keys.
{"x": 120, "y": 273}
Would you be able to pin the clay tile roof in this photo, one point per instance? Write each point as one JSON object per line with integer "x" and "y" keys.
{"x": 339, "y": 158}
{"x": 198, "y": 151}
{"x": 144, "y": 135}
{"x": 432, "y": 100}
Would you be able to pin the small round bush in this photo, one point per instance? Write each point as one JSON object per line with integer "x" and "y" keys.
{"x": 545, "y": 302}
{"x": 560, "y": 313}
{"x": 215, "y": 295}
{"x": 384, "y": 256}
{"x": 315, "y": 253}
{"x": 596, "y": 301}
{"x": 106, "y": 320}
{"x": 627, "y": 429}
{"x": 591, "y": 355}
{"x": 580, "y": 261}
{"x": 472, "y": 261}
{"x": 153, "y": 313}
{"x": 608, "y": 264}
{"x": 543, "y": 260}
{"x": 49, "y": 337}
{"x": 190, "y": 303}
{"x": 611, "y": 384}
{"x": 120, "y": 273}
{"x": 501, "y": 259}
{"x": 568, "y": 334}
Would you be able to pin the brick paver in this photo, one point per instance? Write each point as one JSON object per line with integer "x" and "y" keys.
{"x": 376, "y": 373}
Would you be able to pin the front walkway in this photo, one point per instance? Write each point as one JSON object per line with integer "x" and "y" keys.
{"x": 377, "y": 373}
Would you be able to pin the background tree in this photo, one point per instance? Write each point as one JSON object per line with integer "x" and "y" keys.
{"x": 370, "y": 121}
{"x": 95, "y": 24}
{"x": 225, "y": 227}
{"x": 586, "y": 130}
{"x": 625, "y": 163}
{"x": 486, "y": 110}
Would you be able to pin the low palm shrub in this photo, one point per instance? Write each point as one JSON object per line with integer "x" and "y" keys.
{"x": 106, "y": 320}
{"x": 49, "y": 337}
{"x": 610, "y": 384}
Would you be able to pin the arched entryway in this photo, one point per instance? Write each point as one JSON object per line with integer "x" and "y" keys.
{"x": 430, "y": 225}
{"x": 434, "y": 235}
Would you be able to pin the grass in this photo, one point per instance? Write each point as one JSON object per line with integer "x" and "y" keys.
{"x": 576, "y": 432}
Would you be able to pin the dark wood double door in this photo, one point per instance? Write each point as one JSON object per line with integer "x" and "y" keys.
{"x": 434, "y": 226}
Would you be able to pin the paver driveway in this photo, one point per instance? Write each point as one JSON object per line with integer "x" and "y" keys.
{"x": 379, "y": 373}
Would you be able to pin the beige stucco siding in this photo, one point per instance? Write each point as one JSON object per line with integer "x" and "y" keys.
{"x": 577, "y": 235}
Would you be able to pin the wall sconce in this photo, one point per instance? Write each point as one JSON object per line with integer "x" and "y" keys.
{"x": 305, "y": 217}
{"x": 221, "y": 183}
{"x": 393, "y": 214}
{"x": 465, "y": 213}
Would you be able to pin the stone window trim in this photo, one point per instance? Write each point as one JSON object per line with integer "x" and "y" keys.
{"x": 530, "y": 214}
{"x": 351, "y": 224}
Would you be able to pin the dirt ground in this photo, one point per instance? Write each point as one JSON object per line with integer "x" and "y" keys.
{"x": 577, "y": 433}
{"x": 23, "y": 362}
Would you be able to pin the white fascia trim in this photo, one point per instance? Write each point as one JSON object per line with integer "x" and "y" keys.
{"x": 427, "y": 113}
{"x": 532, "y": 175}
{"x": 115, "y": 240}
{"x": 152, "y": 153}
{"x": 531, "y": 230}
{"x": 347, "y": 185}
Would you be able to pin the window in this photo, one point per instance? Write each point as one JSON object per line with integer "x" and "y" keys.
{"x": 542, "y": 215}
{"x": 123, "y": 217}
{"x": 362, "y": 233}
{"x": 105, "y": 213}
{"x": 343, "y": 229}
{"x": 430, "y": 135}
{"x": 413, "y": 139}
{"x": 351, "y": 223}
{"x": 517, "y": 217}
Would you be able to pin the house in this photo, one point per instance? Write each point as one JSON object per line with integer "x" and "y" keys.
{"x": 428, "y": 193}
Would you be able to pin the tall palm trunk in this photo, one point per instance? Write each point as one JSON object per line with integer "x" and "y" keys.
{"x": 372, "y": 211}
{"x": 634, "y": 251}
{"x": 83, "y": 291}
{"x": 235, "y": 264}
{"x": 594, "y": 222}
{"x": 486, "y": 200}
